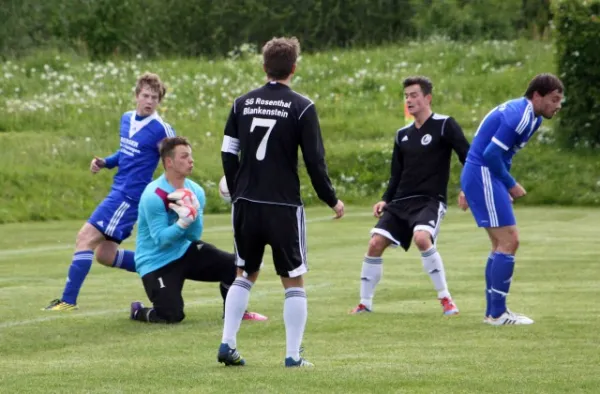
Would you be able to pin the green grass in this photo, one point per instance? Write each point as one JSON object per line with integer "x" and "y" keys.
{"x": 404, "y": 347}
{"x": 58, "y": 110}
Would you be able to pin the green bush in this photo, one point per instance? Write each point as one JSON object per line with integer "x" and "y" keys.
{"x": 154, "y": 28}
{"x": 578, "y": 25}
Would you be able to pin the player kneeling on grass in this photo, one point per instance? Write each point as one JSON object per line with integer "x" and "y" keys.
{"x": 168, "y": 247}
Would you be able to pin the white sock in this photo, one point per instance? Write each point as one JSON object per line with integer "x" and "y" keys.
{"x": 370, "y": 276}
{"x": 295, "y": 311}
{"x": 235, "y": 306}
{"x": 434, "y": 266}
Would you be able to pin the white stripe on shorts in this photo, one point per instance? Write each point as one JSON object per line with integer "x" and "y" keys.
{"x": 488, "y": 192}
{"x": 114, "y": 221}
{"x": 301, "y": 222}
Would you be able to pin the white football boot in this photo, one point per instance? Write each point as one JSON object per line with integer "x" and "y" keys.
{"x": 509, "y": 318}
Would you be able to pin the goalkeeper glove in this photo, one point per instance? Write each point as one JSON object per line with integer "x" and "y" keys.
{"x": 187, "y": 196}
{"x": 187, "y": 213}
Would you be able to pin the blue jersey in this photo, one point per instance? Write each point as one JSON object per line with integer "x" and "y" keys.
{"x": 138, "y": 155}
{"x": 510, "y": 125}
{"x": 160, "y": 240}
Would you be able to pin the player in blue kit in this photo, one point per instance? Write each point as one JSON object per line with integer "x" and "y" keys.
{"x": 490, "y": 188}
{"x": 168, "y": 246}
{"x": 141, "y": 131}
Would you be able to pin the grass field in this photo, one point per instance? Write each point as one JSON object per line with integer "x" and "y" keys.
{"x": 406, "y": 346}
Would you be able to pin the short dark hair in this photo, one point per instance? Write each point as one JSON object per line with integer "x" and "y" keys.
{"x": 543, "y": 84}
{"x": 279, "y": 56}
{"x": 423, "y": 82}
{"x": 168, "y": 145}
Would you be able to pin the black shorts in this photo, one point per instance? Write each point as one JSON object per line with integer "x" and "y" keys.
{"x": 201, "y": 262}
{"x": 282, "y": 227}
{"x": 401, "y": 218}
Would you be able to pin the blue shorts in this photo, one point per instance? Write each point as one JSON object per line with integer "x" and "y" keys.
{"x": 115, "y": 216}
{"x": 488, "y": 198}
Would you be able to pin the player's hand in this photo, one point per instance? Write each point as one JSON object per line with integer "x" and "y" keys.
{"x": 194, "y": 202}
{"x": 97, "y": 164}
{"x": 339, "y": 209}
{"x": 378, "y": 209}
{"x": 189, "y": 198}
{"x": 187, "y": 214}
{"x": 517, "y": 191}
{"x": 462, "y": 201}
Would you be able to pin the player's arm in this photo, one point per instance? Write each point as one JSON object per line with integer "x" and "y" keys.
{"x": 396, "y": 172}
{"x": 230, "y": 150}
{"x": 455, "y": 136}
{"x": 504, "y": 139}
{"x": 112, "y": 161}
{"x": 163, "y": 234}
{"x": 313, "y": 152}
{"x": 194, "y": 231}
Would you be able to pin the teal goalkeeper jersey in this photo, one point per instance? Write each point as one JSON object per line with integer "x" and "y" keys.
{"x": 160, "y": 240}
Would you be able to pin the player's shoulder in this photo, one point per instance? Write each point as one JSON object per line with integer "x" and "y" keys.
{"x": 403, "y": 130}
{"x": 246, "y": 98}
{"x": 149, "y": 192}
{"x": 194, "y": 186}
{"x": 517, "y": 111}
{"x": 157, "y": 123}
{"x": 127, "y": 115}
{"x": 516, "y": 106}
{"x": 302, "y": 100}
{"x": 439, "y": 117}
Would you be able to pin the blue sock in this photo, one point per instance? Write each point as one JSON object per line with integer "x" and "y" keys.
{"x": 488, "y": 284}
{"x": 502, "y": 270}
{"x": 125, "y": 259}
{"x": 80, "y": 266}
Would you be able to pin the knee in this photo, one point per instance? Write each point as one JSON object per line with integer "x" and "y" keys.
{"x": 423, "y": 240}
{"x": 509, "y": 244}
{"x": 84, "y": 240}
{"x": 171, "y": 316}
{"x": 377, "y": 244}
{"x": 105, "y": 255}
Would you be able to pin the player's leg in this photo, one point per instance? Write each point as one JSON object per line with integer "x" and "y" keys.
{"x": 287, "y": 237}
{"x": 426, "y": 221}
{"x": 492, "y": 209}
{"x": 87, "y": 240}
{"x": 502, "y": 270}
{"x": 488, "y": 277}
{"x": 109, "y": 254}
{"x": 250, "y": 247}
{"x": 119, "y": 228}
{"x": 207, "y": 263}
{"x": 112, "y": 220}
{"x": 163, "y": 288}
{"x": 391, "y": 229}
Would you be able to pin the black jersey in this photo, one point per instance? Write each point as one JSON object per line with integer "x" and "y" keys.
{"x": 421, "y": 158}
{"x": 260, "y": 148}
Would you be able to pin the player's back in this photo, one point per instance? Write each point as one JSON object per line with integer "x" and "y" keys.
{"x": 514, "y": 119}
{"x": 269, "y": 132}
{"x": 139, "y": 155}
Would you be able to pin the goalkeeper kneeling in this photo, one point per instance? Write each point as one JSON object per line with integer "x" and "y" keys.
{"x": 168, "y": 246}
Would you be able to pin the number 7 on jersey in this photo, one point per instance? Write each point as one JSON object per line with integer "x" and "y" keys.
{"x": 269, "y": 124}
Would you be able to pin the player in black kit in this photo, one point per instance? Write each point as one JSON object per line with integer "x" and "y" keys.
{"x": 414, "y": 203}
{"x": 260, "y": 159}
